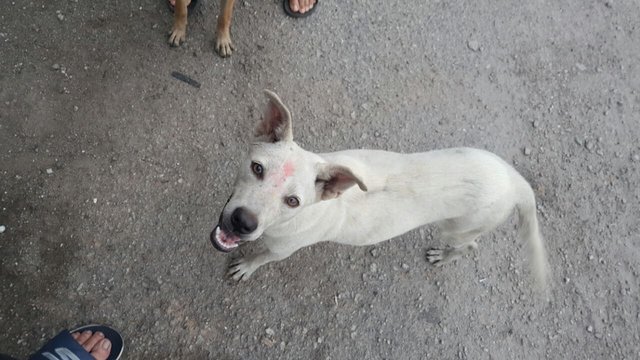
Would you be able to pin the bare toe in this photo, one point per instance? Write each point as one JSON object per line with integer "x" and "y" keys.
{"x": 101, "y": 350}
{"x": 84, "y": 336}
{"x": 294, "y": 5}
{"x": 92, "y": 341}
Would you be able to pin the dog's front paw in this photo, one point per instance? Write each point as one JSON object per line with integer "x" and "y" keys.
{"x": 241, "y": 269}
{"x": 224, "y": 47}
{"x": 177, "y": 35}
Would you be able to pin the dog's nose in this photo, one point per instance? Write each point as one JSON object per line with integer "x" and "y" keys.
{"x": 243, "y": 221}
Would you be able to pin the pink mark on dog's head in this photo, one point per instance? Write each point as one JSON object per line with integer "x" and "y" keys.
{"x": 281, "y": 177}
{"x": 288, "y": 169}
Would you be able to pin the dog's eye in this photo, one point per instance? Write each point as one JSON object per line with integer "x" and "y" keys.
{"x": 257, "y": 169}
{"x": 292, "y": 201}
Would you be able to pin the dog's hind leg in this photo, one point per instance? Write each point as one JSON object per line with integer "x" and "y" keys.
{"x": 459, "y": 234}
{"x": 464, "y": 243}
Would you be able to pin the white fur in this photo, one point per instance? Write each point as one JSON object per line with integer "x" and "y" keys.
{"x": 465, "y": 192}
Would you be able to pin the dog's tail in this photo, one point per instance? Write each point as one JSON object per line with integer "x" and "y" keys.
{"x": 530, "y": 232}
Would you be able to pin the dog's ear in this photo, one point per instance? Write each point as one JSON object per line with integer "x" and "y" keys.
{"x": 276, "y": 123}
{"x": 333, "y": 180}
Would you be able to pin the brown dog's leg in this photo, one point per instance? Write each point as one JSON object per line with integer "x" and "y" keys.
{"x": 223, "y": 37}
{"x": 178, "y": 33}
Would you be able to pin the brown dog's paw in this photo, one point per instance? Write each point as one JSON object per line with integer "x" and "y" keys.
{"x": 224, "y": 47}
{"x": 177, "y": 36}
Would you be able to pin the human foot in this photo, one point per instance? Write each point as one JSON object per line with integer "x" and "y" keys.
{"x": 88, "y": 342}
{"x": 94, "y": 343}
{"x": 301, "y": 6}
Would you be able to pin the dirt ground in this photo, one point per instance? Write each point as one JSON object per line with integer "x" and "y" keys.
{"x": 113, "y": 173}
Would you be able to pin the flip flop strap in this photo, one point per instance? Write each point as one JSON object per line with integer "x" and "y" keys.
{"x": 62, "y": 347}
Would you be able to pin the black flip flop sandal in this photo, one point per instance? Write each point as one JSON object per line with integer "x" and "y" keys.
{"x": 190, "y": 7}
{"x": 295, "y": 14}
{"x": 64, "y": 346}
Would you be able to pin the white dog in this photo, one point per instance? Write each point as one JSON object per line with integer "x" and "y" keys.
{"x": 294, "y": 198}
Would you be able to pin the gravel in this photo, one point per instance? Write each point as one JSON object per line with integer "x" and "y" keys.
{"x": 557, "y": 80}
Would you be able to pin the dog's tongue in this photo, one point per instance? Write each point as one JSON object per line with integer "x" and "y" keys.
{"x": 224, "y": 241}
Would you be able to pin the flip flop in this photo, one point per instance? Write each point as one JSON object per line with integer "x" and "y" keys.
{"x": 295, "y": 14}
{"x": 64, "y": 346}
{"x": 190, "y": 7}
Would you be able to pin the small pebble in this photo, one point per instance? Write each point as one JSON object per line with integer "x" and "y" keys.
{"x": 473, "y": 45}
{"x": 527, "y": 151}
{"x": 590, "y": 328}
{"x": 404, "y": 266}
{"x": 270, "y": 332}
{"x": 635, "y": 157}
{"x": 95, "y": 200}
{"x": 49, "y": 171}
{"x": 2, "y": 229}
{"x": 588, "y": 144}
{"x": 267, "y": 342}
{"x": 55, "y": 66}
{"x": 60, "y": 17}
{"x": 75, "y": 108}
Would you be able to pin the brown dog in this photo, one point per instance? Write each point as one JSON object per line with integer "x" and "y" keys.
{"x": 224, "y": 47}
{"x": 178, "y": 34}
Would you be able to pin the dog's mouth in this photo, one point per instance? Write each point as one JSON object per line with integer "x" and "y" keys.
{"x": 223, "y": 240}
